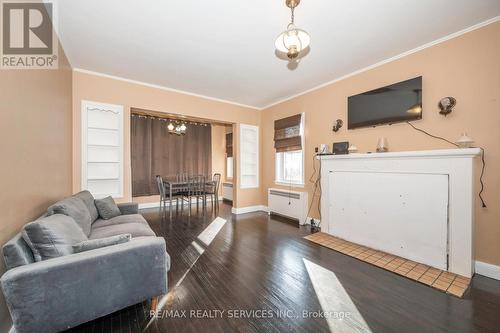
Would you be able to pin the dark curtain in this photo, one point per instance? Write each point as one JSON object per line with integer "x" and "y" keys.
{"x": 155, "y": 151}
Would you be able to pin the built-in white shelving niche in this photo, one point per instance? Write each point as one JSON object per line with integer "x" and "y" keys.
{"x": 102, "y": 149}
{"x": 249, "y": 156}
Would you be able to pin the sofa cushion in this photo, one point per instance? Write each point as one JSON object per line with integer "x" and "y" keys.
{"x": 16, "y": 252}
{"x": 135, "y": 229}
{"x": 52, "y": 236}
{"x": 131, "y": 218}
{"x": 107, "y": 208}
{"x": 88, "y": 199}
{"x": 75, "y": 208}
{"x": 92, "y": 244}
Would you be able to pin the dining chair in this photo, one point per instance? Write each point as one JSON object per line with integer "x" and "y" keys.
{"x": 212, "y": 189}
{"x": 182, "y": 188}
{"x": 200, "y": 190}
{"x": 161, "y": 190}
{"x": 189, "y": 185}
{"x": 166, "y": 194}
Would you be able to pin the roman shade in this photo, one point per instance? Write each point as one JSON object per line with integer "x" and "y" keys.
{"x": 287, "y": 134}
{"x": 229, "y": 145}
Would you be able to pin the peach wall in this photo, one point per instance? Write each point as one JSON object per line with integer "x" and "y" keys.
{"x": 35, "y": 131}
{"x": 466, "y": 67}
{"x": 109, "y": 90}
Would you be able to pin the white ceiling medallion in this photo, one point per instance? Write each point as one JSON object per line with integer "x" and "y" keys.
{"x": 293, "y": 40}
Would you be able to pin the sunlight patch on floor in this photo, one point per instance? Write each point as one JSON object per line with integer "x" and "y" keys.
{"x": 205, "y": 237}
{"x": 208, "y": 235}
{"x": 342, "y": 314}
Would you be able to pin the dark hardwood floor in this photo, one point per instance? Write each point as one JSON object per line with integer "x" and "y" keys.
{"x": 264, "y": 266}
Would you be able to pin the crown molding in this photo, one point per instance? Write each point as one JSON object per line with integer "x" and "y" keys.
{"x": 359, "y": 71}
{"x": 156, "y": 86}
{"x": 383, "y": 62}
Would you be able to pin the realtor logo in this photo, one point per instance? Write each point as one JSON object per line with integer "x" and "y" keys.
{"x": 29, "y": 40}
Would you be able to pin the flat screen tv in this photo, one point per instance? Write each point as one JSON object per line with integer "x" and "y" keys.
{"x": 391, "y": 104}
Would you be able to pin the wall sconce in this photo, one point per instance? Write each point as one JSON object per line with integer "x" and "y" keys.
{"x": 337, "y": 125}
{"x": 446, "y": 105}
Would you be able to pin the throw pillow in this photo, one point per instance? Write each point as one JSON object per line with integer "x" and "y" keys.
{"x": 92, "y": 244}
{"x": 52, "y": 236}
{"x": 107, "y": 208}
{"x": 75, "y": 208}
{"x": 88, "y": 199}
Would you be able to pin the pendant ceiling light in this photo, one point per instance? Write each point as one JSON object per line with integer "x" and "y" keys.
{"x": 178, "y": 128}
{"x": 293, "y": 40}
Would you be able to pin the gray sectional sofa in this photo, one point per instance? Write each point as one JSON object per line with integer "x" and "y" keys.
{"x": 49, "y": 287}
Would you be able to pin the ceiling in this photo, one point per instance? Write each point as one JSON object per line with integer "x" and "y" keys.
{"x": 224, "y": 49}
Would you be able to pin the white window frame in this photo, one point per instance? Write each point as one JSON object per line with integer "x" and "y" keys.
{"x": 118, "y": 109}
{"x": 243, "y": 152}
{"x": 279, "y": 163}
{"x": 278, "y": 181}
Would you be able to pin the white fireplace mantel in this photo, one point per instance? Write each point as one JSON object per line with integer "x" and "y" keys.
{"x": 437, "y": 153}
{"x": 364, "y": 196}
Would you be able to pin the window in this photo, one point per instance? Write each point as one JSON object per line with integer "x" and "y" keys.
{"x": 289, "y": 167}
{"x": 229, "y": 155}
{"x": 229, "y": 167}
{"x": 289, "y": 143}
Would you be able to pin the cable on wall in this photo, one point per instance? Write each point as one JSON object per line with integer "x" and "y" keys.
{"x": 481, "y": 178}
{"x": 431, "y": 135}
{"x": 483, "y": 204}
{"x": 317, "y": 185}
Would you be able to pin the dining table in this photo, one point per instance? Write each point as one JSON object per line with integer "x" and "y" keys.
{"x": 175, "y": 186}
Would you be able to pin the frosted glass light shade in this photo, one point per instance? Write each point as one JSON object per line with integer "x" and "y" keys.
{"x": 292, "y": 38}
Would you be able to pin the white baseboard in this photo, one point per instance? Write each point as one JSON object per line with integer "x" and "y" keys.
{"x": 149, "y": 205}
{"x": 249, "y": 209}
{"x": 157, "y": 204}
{"x": 488, "y": 270}
{"x": 306, "y": 221}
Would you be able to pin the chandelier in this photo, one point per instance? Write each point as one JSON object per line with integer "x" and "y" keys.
{"x": 176, "y": 127}
{"x": 293, "y": 40}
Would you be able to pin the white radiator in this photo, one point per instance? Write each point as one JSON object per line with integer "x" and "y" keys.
{"x": 227, "y": 191}
{"x": 288, "y": 203}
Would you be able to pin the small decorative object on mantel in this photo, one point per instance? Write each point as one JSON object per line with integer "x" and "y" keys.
{"x": 464, "y": 141}
{"x": 340, "y": 148}
{"x": 352, "y": 149}
{"x": 323, "y": 149}
{"x": 337, "y": 125}
{"x": 382, "y": 145}
{"x": 446, "y": 105}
